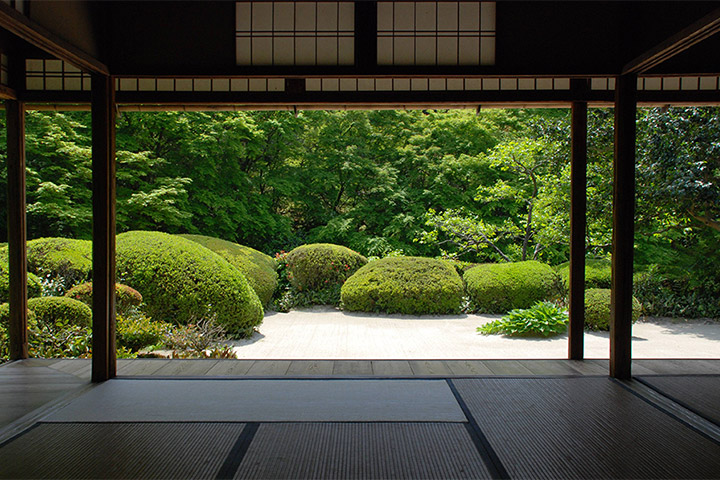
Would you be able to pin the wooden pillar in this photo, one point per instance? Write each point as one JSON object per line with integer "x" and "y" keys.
{"x": 623, "y": 227}
{"x": 578, "y": 222}
{"x": 17, "y": 232}
{"x": 103, "y": 175}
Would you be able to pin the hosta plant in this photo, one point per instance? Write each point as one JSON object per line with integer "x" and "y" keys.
{"x": 542, "y": 319}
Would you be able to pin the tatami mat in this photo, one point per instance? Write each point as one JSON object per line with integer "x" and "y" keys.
{"x": 584, "y": 428}
{"x": 264, "y": 401}
{"x": 119, "y": 450}
{"x": 699, "y": 393}
{"x": 362, "y": 451}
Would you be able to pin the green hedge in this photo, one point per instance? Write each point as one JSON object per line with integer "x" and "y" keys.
{"x": 50, "y": 310}
{"x": 501, "y": 287}
{"x": 411, "y": 285}
{"x": 258, "y": 268}
{"x": 65, "y": 261}
{"x": 184, "y": 282}
{"x": 139, "y": 332}
{"x": 5, "y": 315}
{"x": 597, "y": 309}
{"x": 34, "y": 286}
{"x": 321, "y": 265}
{"x": 126, "y": 297}
{"x": 598, "y": 273}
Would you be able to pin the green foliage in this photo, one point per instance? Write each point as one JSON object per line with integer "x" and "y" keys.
{"x": 258, "y": 268}
{"x": 126, "y": 298}
{"x": 183, "y": 282}
{"x": 597, "y": 309}
{"x": 598, "y": 273}
{"x": 5, "y": 315}
{"x": 411, "y": 285}
{"x": 501, "y": 287}
{"x": 60, "y": 262}
{"x": 136, "y": 332}
{"x": 542, "y": 319}
{"x": 59, "y": 340}
{"x": 671, "y": 293}
{"x": 321, "y": 265}
{"x": 34, "y": 286}
{"x": 52, "y": 310}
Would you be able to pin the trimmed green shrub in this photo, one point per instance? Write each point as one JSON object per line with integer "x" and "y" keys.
{"x": 542, "y": 319}
{"x": 137, "y": 332}
{"x": 34, "y": 286}
{"x": 321, "y": 265}
{"x": 597, "y": 309}
{"x": 258, "y": 268}
{"x": 411, "y": 285}
{"x": 5, "y": 315}
{"x": 501, "y": 287}
{"x": 52, "y": 310}
{"x": 598, "y": 273}
{"x": 184, "y": 282}
{"x": 59, "y": 262}
{"x": 126, "y": 298}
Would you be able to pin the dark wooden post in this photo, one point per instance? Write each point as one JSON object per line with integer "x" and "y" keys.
{"x": 623, "y": 227}
{"x": 578, "y": 222}
{"x": 103, "y": 164}
{"x": 17, "y": 236}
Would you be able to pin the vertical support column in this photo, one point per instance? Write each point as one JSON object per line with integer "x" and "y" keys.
{"x": 17, "y": 229}
{"x": 366, "y": 35}
{"x": 623, "y": 227}
{"x": 578, "y": 222}
{"x": 103, "y": 175}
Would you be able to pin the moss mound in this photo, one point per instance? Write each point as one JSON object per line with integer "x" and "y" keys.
{"x": 50, "y": 310}
{"x": 501, "y": 287}
{"x": 320, "y": 265}
{"x": 598, "y": 273}
{"x": 411, "y": 285}
{"x": 126, "y": 297}
{"x": 597, "y": 309}
{"x": 183, "y": 282}
{"x": 259, "y": 269}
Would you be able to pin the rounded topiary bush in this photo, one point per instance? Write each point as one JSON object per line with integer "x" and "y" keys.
{"x": 126, "y": 297}
{"x": 34, "y": 287}
{"x": 5, "y": 315}
{"x": 320, "y": 265}
{"x": 258, "y": 268}
{"x": 65, "y": 260}
{"x": 50, "y": 310}
{"x": 598, "y": 273}
{"x": 597, "y": 309}
{"x": 184, "y": 282}
{"x": 501, "y": 287}
{"x": 411, "y": 285}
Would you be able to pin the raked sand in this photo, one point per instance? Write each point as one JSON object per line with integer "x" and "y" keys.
{"x": 328, "y": 333}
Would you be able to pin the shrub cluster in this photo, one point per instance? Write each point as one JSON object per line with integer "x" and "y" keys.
{"x": 34, "y": 286}
{"x": 321, "y": 265}
{"x": 597, "y": 309}
{"x": 54, "y": 310}
{"x": 137, "y": 332}
{"x": 258, "y": 268}
{"x": 410, "y": 285}
{"x": 501, "y": 287}
{"x": 62, "y": 261}
{"x": 598, "y": 273}
{"x": 126, "y": 298}
{"x": 184, "y": 282}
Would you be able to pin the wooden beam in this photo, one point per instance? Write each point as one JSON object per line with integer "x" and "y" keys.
{"x": 21, "y": 26}
{"x": 103, "y": 176}
{"x": 706, "y": 27}
{"x": 623, "y": 227}
{"x": 7, "y": 93}
{"x": 17, "y": 236}
{"x": 366, "y": 36}
{"x": 578, "y": 222}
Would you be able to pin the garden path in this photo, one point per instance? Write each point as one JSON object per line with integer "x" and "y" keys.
{"x": 328, "y": 333}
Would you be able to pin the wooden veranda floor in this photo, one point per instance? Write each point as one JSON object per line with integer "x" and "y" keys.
{"x": 360, "y": 419}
